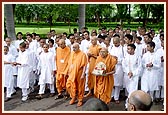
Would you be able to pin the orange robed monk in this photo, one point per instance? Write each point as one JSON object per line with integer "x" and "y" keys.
{"x": 76, "y": 81}
{"x": 104, "y": 83}
{"x": 62, "y": 58}
{"x": 93, "y": 52}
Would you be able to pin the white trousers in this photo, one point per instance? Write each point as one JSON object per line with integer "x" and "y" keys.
{"x": 24, "y": 92}
{"x": 160, "y": 93}
{"x": 9, "y": 92}
{"x": 116, "y": 92}
{"x": 42, "y": 88}
{"x": 32, "y": 79}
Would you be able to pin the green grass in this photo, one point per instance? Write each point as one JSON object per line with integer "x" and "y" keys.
{"x": 60, "y": 27}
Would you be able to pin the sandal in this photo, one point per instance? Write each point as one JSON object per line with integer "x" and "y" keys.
{"x": 79, "y": 103}
{"x": 59, "y": 96}
{"x": 72, "y": 101}
{"x": 66, "y": 96}
{"x": 39, "y": 96}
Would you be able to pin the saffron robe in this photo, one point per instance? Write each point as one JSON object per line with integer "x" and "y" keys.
{"x": 95, "y": 51}
{"x": 62, "y": 58}
{"x": 104, "y": 84}
{"x": 76, "y": 65}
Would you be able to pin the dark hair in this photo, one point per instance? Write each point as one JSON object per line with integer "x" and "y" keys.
{"x": 70, "y": 35}
{"x": 75, "y": 29}
{"x": 132, "y": 45}
{"x": 23, "y": 45}
{"x": 104, "y": 28}
{"x": 52, "y": 31}
{"x": 116, "y": 35}
{"x": 117, "y": 27}
{"x": 65, "y": 33}
{"x": 38, "y": 35}
{"x": 19, "y": 33}
{"x": 129, "y": 29}
{"x": 139, "y": 38}
{"x": 162, "y": 35}
{"x": 85, "y": 28}
{"x": 130, "y": 37}
{"x": 86, "y": 32}
{"x": 148, "y": 34}
{"x": 102, "y": 36}
{"x": 134, "y": 31}
{"x": 51, "y": 40}
{"x": 152, "y": 44}
{"x": 99, "y": 36}
{"x": 95, "y": 33}
{"x": 34, "y": 34}
{"x": 6, "y": 47}
{"x": 30, "y": 35}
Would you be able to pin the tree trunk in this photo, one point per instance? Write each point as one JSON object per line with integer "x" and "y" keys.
{"x": 98, "y": 19}
{"x": 10, "y": 26}
{"x": 144, "y": 22}
{"x": 81, "y": 13}
{"x": 69, "y": 21}
{"x": 129, "y": 7}
{"x": 121, "y": 22}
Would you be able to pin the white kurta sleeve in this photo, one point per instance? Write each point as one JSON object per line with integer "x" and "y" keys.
{"x": 125, "y": 66}
{"x": 54, "y": 63}
{"x": 138, "y": 68}
{"x": 156, "y": 62}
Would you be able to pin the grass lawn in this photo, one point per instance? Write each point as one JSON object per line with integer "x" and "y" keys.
{"x": 59, "y": 29}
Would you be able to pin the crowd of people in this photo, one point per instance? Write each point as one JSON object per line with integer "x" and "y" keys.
{"x": 134, "y": 60}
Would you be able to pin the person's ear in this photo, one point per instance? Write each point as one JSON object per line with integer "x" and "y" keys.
{"x": 132, "y": 108}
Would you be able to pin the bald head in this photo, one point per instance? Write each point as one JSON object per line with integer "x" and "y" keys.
{"x": 141, "y": 100}
{"x": 94, "y": 40}
{"x": 75, "y": 47}
{"x": 116, "y": 41}
{"x": 104, "y": 52}
{"x": 61, "y": 43}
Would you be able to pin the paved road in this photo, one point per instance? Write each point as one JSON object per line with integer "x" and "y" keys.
{"x": 49, "y": 104}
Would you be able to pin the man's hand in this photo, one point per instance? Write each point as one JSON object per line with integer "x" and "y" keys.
{"x": 130, "y": 74}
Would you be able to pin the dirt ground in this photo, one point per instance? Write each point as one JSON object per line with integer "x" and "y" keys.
{"x": 50, "y": 104}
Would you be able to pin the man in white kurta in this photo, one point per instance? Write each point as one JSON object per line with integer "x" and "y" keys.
{"x": 33, "y": 66}
{"x": 85, "y": 44}
{"x": 51, "y": 46}
{"x": 23, "y": 62}
{"x": 132, "y": 67}
{"x": 19, "y": 40}
{"x": 128, "y": 40}
{"x": 38, "y": 53}
{"x": 160, "y": 92}
{"x": 150, "y": 63}
{"x": 32, "y": 44}
{"x": 107, "y": 43}
{"x": 13, "y": 51}
{"x": 117, "y": 52}
{"x": 8, "y": 73}
{"x": 139, "y": 46}
{"x": 47, "y": 68}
